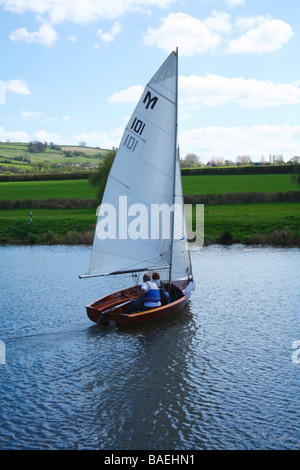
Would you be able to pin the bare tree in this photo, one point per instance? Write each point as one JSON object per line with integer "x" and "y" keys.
{"x": 243, "y": 160}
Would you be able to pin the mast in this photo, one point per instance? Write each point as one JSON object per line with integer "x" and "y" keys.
{"x": 147, "y": 149}
{"x": 174, "y": 175}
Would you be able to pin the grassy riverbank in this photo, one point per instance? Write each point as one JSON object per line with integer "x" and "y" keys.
{"x": 261, "y": 223}
{"x": 48, "y": 226}
{"x": 258, "y": 208}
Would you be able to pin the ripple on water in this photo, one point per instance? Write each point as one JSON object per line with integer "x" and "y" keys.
{"x": 217, "y": 376}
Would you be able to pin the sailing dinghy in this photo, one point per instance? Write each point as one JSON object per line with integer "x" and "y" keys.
{"x": 145, "y": 183}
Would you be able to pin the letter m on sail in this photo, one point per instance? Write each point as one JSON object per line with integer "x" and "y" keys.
{"x": 149, "y": 100}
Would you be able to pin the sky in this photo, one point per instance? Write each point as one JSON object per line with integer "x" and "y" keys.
{"x": 73, "y": 70}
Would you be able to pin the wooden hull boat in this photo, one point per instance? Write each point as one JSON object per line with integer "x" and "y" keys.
{"x": 111, "y": 310}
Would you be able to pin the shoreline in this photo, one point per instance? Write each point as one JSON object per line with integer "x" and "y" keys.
{"x": 268, "y": 224}
{"x": 284, "y": 238}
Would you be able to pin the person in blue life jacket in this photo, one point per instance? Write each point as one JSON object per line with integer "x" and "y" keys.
{"x": 164, "y": 295}
{"x": 149, "y": 297}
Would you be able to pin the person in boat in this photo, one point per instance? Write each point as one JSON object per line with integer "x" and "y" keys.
{"x": 149, "y": 297}
{"x": 164, "y": 295}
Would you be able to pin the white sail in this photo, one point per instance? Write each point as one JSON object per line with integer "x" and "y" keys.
{"x": 140, "y": 187}
{"x": 181, "y": 262}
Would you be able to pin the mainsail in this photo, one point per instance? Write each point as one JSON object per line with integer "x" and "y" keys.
{"x": 143, "y": 184}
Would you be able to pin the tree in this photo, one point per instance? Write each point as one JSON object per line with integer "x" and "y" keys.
{"x": 276, "y": 159}
{"x": 99, "y": 177}
{"x": 46, "y": 166}
{"x": 36, "y": 147}
{"x": 217, "y": 161}
{"x": 190, "y": 161}
{"x": 263, "y": 160}
{"x": 228, "y": 162}
{"x": 243, "y": 160}
{"x": 296, "y": 174}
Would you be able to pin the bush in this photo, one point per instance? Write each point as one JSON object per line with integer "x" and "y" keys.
{"x": 50, "y": 238}
{"x": 47, "y": 176}
{"x": 236, "y": 198}
{"x": 47, "y": 204}
{"x": 99, "y": 177}
{"x": 283, "y": 237}
{"x": 226, "y": 238}
{"x": 240, "y": 170}
{"x": 36, "y": 147}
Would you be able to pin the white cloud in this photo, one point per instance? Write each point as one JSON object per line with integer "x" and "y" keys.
{"x": 30, "y": 114}
{"x": 17, "y": 86}
{"x": 106, "y": 140}
{"x": 81, "y": 11}
{"x": 14, "y": 136}
{"x": 229, "y": 142}
{"x": 46, "y": 35}
{"x": 109, "y": 37}
{"x": 269, "y": 36}
{"x": 190, "y": 34}
{"x": 234, "y": 3}
{"x": 219, "y": 21}
{"x": 130, "y": 95}
{"x": 247, "y": 22}
{"x": 215, "y": 90}
{"x": 72, "y": 38}
{"x": 44, "y": 136}
{"x": 53, "y": 119}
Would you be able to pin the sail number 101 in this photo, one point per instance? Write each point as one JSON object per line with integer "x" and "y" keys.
{"x": 138, "y": 126}
{"x": 131, "y": 142}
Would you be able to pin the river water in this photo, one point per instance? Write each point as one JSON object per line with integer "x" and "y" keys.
{"x": 223, "y": 374}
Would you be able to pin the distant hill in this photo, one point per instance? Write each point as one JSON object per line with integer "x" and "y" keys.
{"x": 16, "y": 158}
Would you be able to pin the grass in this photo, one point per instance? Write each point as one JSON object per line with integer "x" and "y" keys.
{"x": 238, "y": 223}
{"x": 270, "y": 223}
{"x": 46, "y": 214}
{"x": 205, "y": 184}
{"x": 245, "y": 221}
{"x": 48, "y": 226}
{"x": 221, "y": 184}
{"x": 64, "y": 189}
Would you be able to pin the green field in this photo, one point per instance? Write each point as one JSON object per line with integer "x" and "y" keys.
{"x": 221, "y": 184}
{"x": 205, "y": 184}
{"x": 60, "y": 189}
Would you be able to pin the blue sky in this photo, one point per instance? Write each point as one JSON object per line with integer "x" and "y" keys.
{"x": 73, "y": 70}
